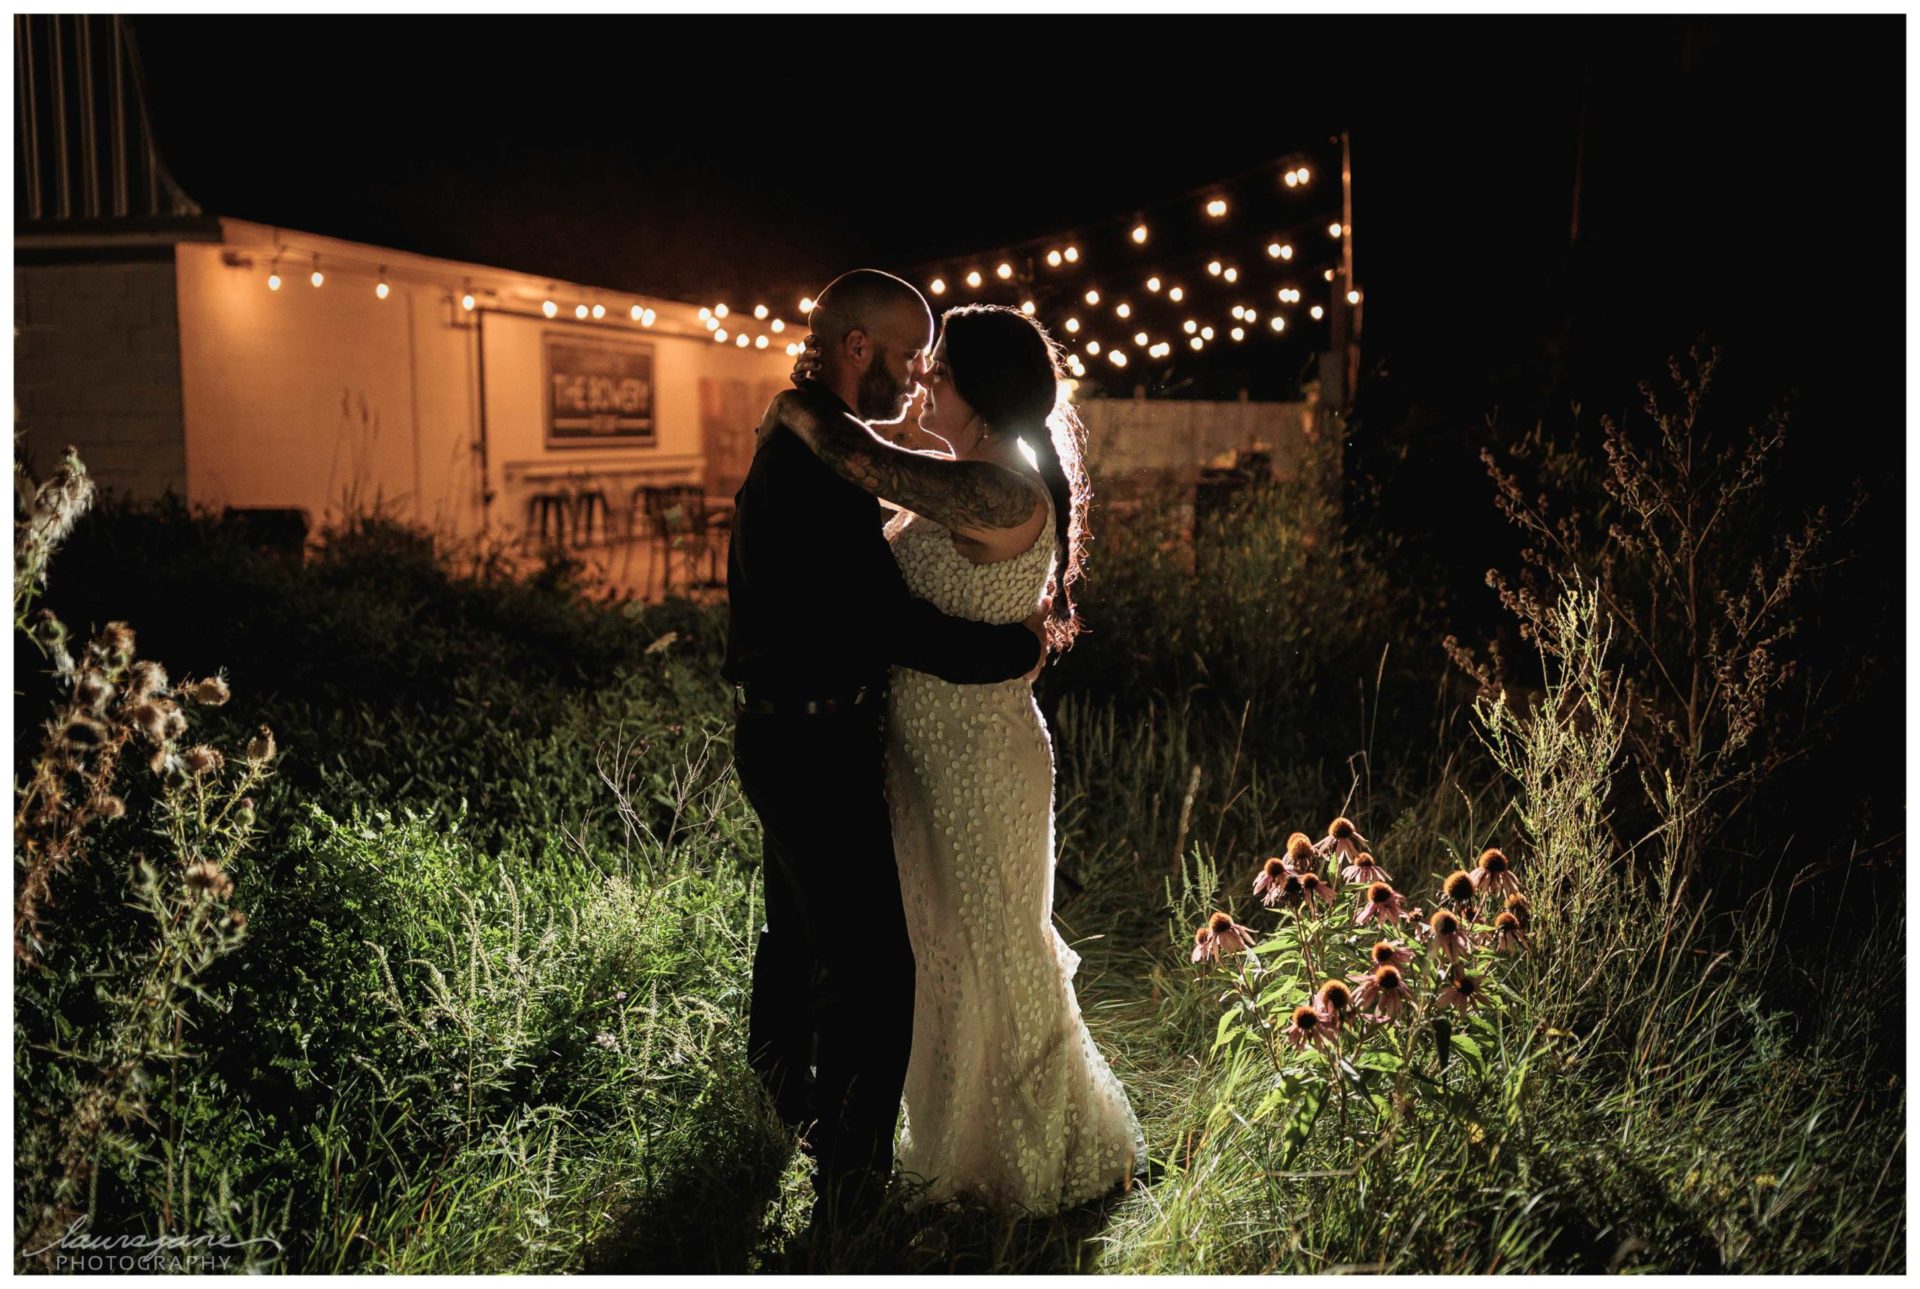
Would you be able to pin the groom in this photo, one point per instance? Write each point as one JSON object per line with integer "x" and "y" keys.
{"x": 818, "y": 611}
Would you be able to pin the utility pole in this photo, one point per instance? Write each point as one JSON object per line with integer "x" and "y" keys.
{"x": 1340, "y": 365}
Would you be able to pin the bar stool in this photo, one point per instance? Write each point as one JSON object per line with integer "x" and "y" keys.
{"x": 588, "y": 503}
{"x": 548, "y": 516}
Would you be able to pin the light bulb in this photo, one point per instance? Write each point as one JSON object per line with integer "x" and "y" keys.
{"x": 1093, "y": 347}
{"x": 760, "y": 312}
{"x": 712, "y": 323}
{"x": 1073, "y": 254}
{"x": 1286, "y": 252}
{"x": 705, "y": 313}
{"x": 1216, "y": 208}
{"x": 1206, "y": 333}
{"x": 720, "y": 336}
{"x": 466, "y": 302}
{"x": 1139, "y": 234}
{"x": 1277, "y": 322}
{"x": 1317, "y": 312}
{"x": 741, "y": 340}
{"x": 599, "y": 311}
{"x": 1273, "y": 250}
{"x": 634, "y": 313}
{"x": 779, "y": 325}
{"x": 1213, "y": 267}
{"x": 1353, "y": 297}
{"x": 759, "y": 342}
{"x": 1026, "y": 307}
{"x": 380, "y": 290}
{"x": 1293, "y": 178}
{"x": 1231, "y": 275}
{"x": 938, "y": 286}
{"x": 1004, "y": 271}
{"x": 1198, "y": 344}
{"x": 1093, "y": 297}
{"x": 1153, "y": 284}
{"x": 1140, "y": 338}
{"x": 1238, "y": 334}
{"x": 1239, "y": 311}
{"x": 1123, "y": 310}
{"x": 579, "y": 310}
{"x": 719, "y": 310}
{"x": 1176, "y": 295}
{"x": 1251, "y": 318}
{"x": 647, "y": 316}
{"x": 1304, "y": 174}
{"x": 318, "y": 277}
{"x": 973, "y": 278}
{"x": 1190, "y": 326}
{"x": 273, "y": 281}
{"x": 1333, "y": 230}
{"x": 1053, "y": 258}
{"x": 1072, "y": 325}
{"x": 806, "y": 304}
{"x": 1328, "y": 275}
{"x": 549, "y": 308}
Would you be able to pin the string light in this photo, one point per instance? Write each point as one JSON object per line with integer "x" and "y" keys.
{"x": 1333, "y": 230}
{"x": 1353, "y": 297}
{"x": 938, "y": 286}
{"x": 634, "y": 313}
{"x": 759, "y": 342}
{"x": 1177, "y": 295}
{"x": 1153, "y": 284}
{"x": 1216, "y": 208}
{"x": 1239, "y": 311}
{"x": 719, "y": 310}
{"x": 1231, "y": 275}
{"x": 1053, "y": 259}
{"x": 1093, "y": 348}
{"x": 647, "y": 316}
{"x": 806, "y": 304}
{"x": 1072, "y": 325}
{"x": 1206, "y": 333}
{"x": 1328, "y": 275}
{"x": 1238, "y": 334}
{"x": 1293, "y": 178}
{"x": 1198, "y": 344}
{"x": 1304, "y": 175}
{"x": 1093, "y": 297}
{"x": 273, "y": 281}
{"x": 1317, "y": 312}
{"x": 1140, "y": 338}
{"x": 973, "y": 279}
{"x": 1277, "y": 322}
{"x": 779, "y": 325}
{"x": 1251, "y": 318}
{"x": 466, "y": 302}
{"x": 1139, "y": 234}
{"x": 712, "y": 323}
{"x": 760, "y": 311}
{"x": 1026, "y": 307}
{"x": 1072, "y": 254}
{"x": 1190, "y": 326}
{"x": 1123, "y": 310}
{"x": 599, "y": 312}
{"x": 1213, "y": 267}
{"x": 549, "y": 308}
{"x": 720, "y": 336}
{"x": 1288, "y": 295}
{"x": 318, "y": 278}
{"x": 1117, "y": 357}
{"x": 1286, "y": 251}
{"x": 741, "y": 340}
{"x": 705, "y": 313}
{"x": 580, "y": 311}
{"x": 1004, "y": 272}
{"x": 380, "y": 288}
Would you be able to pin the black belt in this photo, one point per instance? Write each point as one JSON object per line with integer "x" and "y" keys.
{"x": 748, "y": 700}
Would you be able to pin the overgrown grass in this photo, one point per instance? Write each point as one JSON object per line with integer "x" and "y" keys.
{"x": 491, "y": 1008}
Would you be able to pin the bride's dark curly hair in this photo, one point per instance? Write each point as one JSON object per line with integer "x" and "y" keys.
{"x": 1007, "y": 367}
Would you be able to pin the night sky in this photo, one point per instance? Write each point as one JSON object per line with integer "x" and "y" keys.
{"x": 1742, "y": 175}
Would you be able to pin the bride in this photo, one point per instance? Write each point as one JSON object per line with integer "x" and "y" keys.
{"x": 1007, "y": 1100}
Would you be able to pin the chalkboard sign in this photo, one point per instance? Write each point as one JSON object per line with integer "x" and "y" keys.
{"x": 599, "y": 392}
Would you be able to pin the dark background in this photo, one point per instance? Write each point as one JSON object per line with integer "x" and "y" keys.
{"x": 1741, "y": 177}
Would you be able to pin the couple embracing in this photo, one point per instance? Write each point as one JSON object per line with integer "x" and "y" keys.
{"x": 909, "y": 987}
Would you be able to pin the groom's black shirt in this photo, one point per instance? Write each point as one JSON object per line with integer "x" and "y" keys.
{"x": 816, "y": 605}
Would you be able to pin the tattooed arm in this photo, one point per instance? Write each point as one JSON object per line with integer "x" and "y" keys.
{"x": 971, "y": 498}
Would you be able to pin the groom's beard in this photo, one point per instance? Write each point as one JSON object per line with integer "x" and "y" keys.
{"x": 880, "y": 390}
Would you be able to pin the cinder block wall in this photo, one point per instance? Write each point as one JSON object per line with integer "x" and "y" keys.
{"x": 96, "y": 356}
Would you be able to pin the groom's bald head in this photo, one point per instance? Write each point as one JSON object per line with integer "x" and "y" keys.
{"x": 870, "y": 327}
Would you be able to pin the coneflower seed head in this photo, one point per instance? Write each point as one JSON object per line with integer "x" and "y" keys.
{"x": 1300, "y": 849}
{"x": 1444, "y": 923}
{"x": 1304, "y": 1017}
{"x": 1507, "y": 922}
{"x": 1338, "y": 996}
{"x": 1379, "y": 893}
{"x": 1459, "y": 885}
{"x": 1387, "y": 976}
{"x": 1219, "y": 922}
{"x": 1341, "y": 828}
{"x": 1273, "y": 868}
{"x": 1493, "y": 861}
{"x": 1383, "y": 952}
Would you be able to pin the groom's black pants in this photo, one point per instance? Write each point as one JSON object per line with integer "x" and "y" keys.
{"x": 833, "y": 970}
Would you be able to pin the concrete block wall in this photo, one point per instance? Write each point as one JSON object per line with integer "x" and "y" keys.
{"x": 96, "y": 355}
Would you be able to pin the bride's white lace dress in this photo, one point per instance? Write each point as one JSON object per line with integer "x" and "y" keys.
{"x": 1007, "y": 1099}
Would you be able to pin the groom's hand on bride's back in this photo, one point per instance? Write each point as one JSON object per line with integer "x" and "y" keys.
{"x": 1037, "y": 624}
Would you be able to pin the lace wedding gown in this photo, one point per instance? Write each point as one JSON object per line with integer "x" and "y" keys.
{"x": 1007, "y": 1099}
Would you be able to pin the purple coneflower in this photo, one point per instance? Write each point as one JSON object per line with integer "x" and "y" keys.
{"x": 1521, "y": 907}
{"x": 1332, "y": 1003}
{"x": 1458, "y": 889}
{"x": 1508, "y": 934}
{"x": 1344, "y": 840}
{"x": 1312, "y": 889}
{"x": 1383, "y": 988}
{"x": 1462, "y": 991}
{"x": 1391, "y": 953}
{"x": 1306, "y": 1027}
{"x": 1380, "y": 901}
{"x": 1363, "y": 869}
{"x": 1301, "y": 856}
{"x": 1221, "y": 934}
{"x": 1267, "y": 881}
{"x": 1495, "y": 874}
{"x": 1444, "y": 929}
